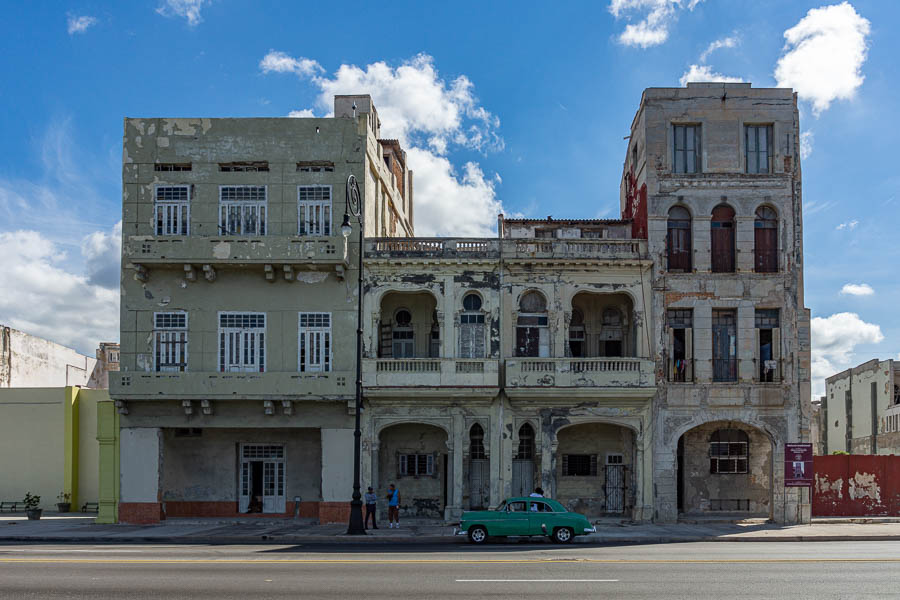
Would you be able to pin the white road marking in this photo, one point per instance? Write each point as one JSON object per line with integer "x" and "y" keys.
{"x": 44, "y": 551}
{"x": 536, "y": 580}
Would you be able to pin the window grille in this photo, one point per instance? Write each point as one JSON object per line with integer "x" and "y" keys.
{"x": 729, "y": 451}
{"x": 244, "y": 167}
{"x": 242, "y": 210}
{"x": 242, "y": 342}
{"x": 314, "y": 209}
{"x": 170, "y": 339}
{"x": 315, "y": 342}
{"x": 579, "y": 465}
{"x": 163, "y": 167}
{"x": 416, "y": 465}
{"x": 262, "y": 451}
{"x": 172, "y": 206}
{"x": 680, "y": 318}
{"x": 315, "y": 167}
{"x": 767, "y": 318}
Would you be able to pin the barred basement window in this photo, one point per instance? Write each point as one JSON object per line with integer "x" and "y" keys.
{"x": 729, "y": 451}
{"x": 244, "y": 166}
{"x": 315, "y": 166}
{"x": 416, "y": 465}
{"x": 242, "y": 210}
{"x": 172, "y": 207}
{"x": 315, "y": 342}
{"x": 314, "y": 210}
{"x": 170, "y": 339}
{"x": 172, "y": 167}
{"x": 242, "y": 342}
{"x": 579, "y": 465}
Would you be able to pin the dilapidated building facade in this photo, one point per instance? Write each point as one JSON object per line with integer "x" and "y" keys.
{"x": 861, "y": 409}
{"x": 640, "y": 368}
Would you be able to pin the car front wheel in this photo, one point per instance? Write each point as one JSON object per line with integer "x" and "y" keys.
{"x": 562, "y": 535}
{"x": 477, "y": 534}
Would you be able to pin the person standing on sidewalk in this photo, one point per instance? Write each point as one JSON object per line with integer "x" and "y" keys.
{"x": 371, "y": 500}
{"x": 393, "y": 498}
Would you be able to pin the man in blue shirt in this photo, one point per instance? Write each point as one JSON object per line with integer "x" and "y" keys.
{"x": 393, "y": 498}
{"x": 371, "y": 500}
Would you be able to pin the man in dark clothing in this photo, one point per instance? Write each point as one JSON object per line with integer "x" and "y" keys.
{"x": 371, "y": 501}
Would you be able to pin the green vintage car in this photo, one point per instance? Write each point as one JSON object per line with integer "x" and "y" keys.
{"x": 524, "y": 517}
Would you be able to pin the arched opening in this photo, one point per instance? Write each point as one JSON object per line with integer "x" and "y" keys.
{"x": 679, "y": 240}
{"x": 472, "y": 333}
{"x": 601, "y": 325}
{"x": 722, "y": 239}
{"x": 408, "y": 326}
{"x": 479, "y": 468}
{"x": 725, "y": 467}
{"x": 532, "y": 331}
{"x": 523, "y": 462}
{"x": 413, "y": 456}
{"x": 765, "y": 240}
{"x": 595, "y": 469}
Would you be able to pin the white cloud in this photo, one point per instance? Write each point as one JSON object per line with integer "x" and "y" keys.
{"x": 806, "y": 144}
{"x": 833, "y": 340}
{"x": 653, "y": 29}
{"x": 853, "y": 289}
{"x": 849, "y": 225}
{"x": 50, "y": 302}
{"x": 824, "y": 55}
{"x": 79, "y": 24}
{"x": 189, "y": 9}
{"x": 300, "y": 114}
{"x": 728, "y": 42}
{"x": 431, "y": 116}
{"x": 279, "y": 62}
{"x": 102, "y": 253}
{"x": 705, "y": 73}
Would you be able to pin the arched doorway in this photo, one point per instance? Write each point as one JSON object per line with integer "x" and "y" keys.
{"x": 479, "y": 469}
{"x": 413, "y": 456}
{"x": 595, "y": 468}
{"x": 523, "y": 462}
{"x": 725, "y": 467}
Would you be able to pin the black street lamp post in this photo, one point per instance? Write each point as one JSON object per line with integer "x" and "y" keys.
{"x": 354, "y": 207}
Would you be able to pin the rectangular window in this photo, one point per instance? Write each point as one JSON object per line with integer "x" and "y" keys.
{"x": 416, "y": 465}
{"x": 532, "y": 336}
{"x": 315, "y": 342}
{"x": 170, "y": 339}
{"x": 680, "y": 323}
{"x": 314, "y": 210}
{"x": 172, "y": 167}
{"x": 758, "y": 148}
{"x": 244, "y": 166}
{"x": 579, "y": 465}
{"x": 728, "y": 457}
{"x": 242, "y": 210}
{"x": 686, "y": 149}
{"x": 724, "y": 339}
{"x": 242, "y": 342}
{"x": 315, "y": 166}
{"x": 172, "y": 205}
{"x": 768, "y": 344}
{"x": 404, "y": 343}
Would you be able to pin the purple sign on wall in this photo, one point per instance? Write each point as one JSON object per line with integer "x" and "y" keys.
{"x": 798, "y": 465}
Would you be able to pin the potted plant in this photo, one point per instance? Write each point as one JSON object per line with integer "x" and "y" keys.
{"x": 31, "y": 506}
{"x": 64, "y": 505}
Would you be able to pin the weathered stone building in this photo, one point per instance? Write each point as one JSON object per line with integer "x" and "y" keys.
{"x": 861, "y": 409}
{"x": 641, "y": 368}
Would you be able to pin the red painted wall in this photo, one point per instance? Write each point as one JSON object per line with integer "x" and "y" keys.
{"x": 856, "y": 486}
{"x": 636, "y": 207}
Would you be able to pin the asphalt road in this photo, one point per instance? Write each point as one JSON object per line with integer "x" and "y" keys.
{"x": 697, "y": 570}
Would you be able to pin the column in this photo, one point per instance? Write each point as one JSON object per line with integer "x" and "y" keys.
{"x": 456, "y": 460}
{"x": 337, "y": 475}
{"x": 549, "y": 445}
{"x": 140, "y": 451}
{"x": 108, "y": 439}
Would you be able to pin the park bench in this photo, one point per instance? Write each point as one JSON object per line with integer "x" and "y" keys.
{"x": 11, "y": 506}
{"x": 90, "y": 507}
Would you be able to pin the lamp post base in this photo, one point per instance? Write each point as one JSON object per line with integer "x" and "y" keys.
{"x": 356, "y": 525}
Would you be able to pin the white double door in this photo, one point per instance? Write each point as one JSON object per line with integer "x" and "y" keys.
{"x": 262, "y": 478}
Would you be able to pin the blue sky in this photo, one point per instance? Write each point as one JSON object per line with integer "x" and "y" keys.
{"x": 519, "y": 107}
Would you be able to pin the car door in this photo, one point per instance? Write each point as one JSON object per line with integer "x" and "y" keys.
{"x": 514, "y": 521}
{"x": 540, "y": 514}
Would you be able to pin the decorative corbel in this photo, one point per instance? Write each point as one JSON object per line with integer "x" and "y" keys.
{"x": 206, "y": 407}
{"x": 188, "y": 407}
{"x": 209, "y": 272}
{"x": 287, "y": 407}
{"x": 121, "y": 407}
{"x": 190, "y": 273}
{"x": 288, "y": 272}
{"x": 269, "y": 407}
{"x": 270, "y": 273}
{"x": 141, "y": 273}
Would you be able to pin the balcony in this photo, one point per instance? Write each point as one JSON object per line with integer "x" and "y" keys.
{"x": 213, "y": 385}
{"x": 455, "y": 248}
{"x": 431, "y": 376}
{"x": 578, "y": 248}
{"x": 224, "y": 250}
{"x": 629, "y": 376}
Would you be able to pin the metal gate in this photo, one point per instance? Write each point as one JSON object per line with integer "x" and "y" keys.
{"x": 479, "y": 484}
{"x": 614, "y": 488}
{"x": 522, "y": 477}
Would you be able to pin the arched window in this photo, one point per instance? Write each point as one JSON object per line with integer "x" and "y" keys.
{"x": 729, "y": 451}
{"x": 679, "y": 240}
{"x": 471, "y": 328}
{"x": 526, "y": 443}
{"x": 611, "y": 334}
{"x": 402, "y": 335}
{"x": 476, "y": 442}
{"x": 576, "y": 334}
{"x": 765, "y": 241}
{"x": 722, "y": 239}
{"x": 532, "y": 334}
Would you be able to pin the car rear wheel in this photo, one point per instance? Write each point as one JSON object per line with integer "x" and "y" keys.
{"x": 562, "y": 535}
{"x": 477, "y": 534}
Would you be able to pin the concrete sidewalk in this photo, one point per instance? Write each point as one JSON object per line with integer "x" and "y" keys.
{"x": 75, "y": 527}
